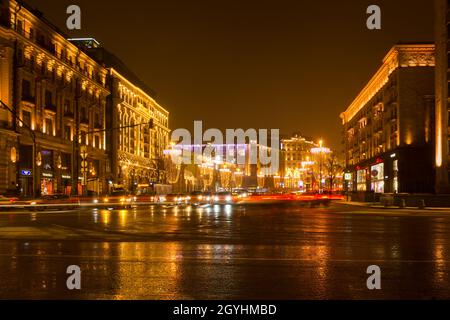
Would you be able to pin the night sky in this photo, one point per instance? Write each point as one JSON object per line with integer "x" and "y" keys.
{"x": 293, "y": 65}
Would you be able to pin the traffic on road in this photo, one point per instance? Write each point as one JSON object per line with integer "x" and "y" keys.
{"x": 123, "y": 199}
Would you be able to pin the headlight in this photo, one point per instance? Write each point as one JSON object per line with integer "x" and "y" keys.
{"x": 188, "y": 198}
{"x": 105, "y": 200}
{"x": 162, "y": 199}
{"x": 95, "y": 201}
{"x": 128, "y": 199}
{"x": 200, "y": 197}
{"x": 122, "y": 199}
{"x": 208, "y": 198}
{"x": 216, "y": 198}
{"x": 228, "y": 198}
{"x": 33, "y": 203}
{"x": 134, "y": 198}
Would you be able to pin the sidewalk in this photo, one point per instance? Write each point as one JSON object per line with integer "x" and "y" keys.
{"x": 377, "y": 205}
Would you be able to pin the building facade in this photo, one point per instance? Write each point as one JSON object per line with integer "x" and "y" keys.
{"x": 54, "y": 107}
{"x": 136, "y": 150}
{"x": 137, "y": 126}
{"x": 298, "y": 162}
{"x": 389, "y": 128}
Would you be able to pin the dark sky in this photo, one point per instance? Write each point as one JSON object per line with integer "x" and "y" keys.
{"x": 293, "y": 65}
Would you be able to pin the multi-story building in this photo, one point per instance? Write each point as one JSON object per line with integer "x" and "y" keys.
{"x": 222, "y": 166}
{"x": 54, "y": 99}
{"x": 297, "y": 162}
{"x": 389, "y": 127}
{"x": 442, "y": 111}
{"x": 138, "y": 127}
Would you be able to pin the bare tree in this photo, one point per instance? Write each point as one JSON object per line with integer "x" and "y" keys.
{"x": 333, "y": 169}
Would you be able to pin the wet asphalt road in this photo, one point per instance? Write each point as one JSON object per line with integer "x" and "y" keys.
{"x": 225, "y": 252}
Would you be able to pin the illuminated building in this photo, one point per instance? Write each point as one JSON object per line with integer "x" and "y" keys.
{"x": 55, "y": 93}
{"x": 298, "y": 162}
{"x": 138, "y": 127}
{"x": 388, "y": 128}
{"x": 219, "y": 167}
{"x": 442, "y": 112}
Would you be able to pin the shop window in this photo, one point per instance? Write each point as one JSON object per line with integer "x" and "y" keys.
{"x": 377, "y": 181}
{"x": 361, "y": 180}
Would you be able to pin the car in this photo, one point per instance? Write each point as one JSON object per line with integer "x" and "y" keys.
{"x": 7, "y": 200}
{"x": 200, "y": 198}
{"x": 173, "y": 198}
{"x": 53, "y": 201}
{"x": 223, "y": 198}
{"x": 148, "y": 197}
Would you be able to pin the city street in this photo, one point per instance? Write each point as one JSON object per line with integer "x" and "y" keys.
{"x": 226, "y": 252}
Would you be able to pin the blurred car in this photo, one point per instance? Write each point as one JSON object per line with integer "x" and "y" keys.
{"x": 150, "y": 197}
{"x": 199, "y": 198}
{"x": 223, "y": 198}
{"x": 173, "y": 198}
{"x": 56, "y": 201}
{"x": 117, "y": 197}
{"x": 7, "y": 200}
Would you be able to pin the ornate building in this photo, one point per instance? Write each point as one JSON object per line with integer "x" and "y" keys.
{"x": 389, "y": 127}
{"x": 54, "y": 99}
{"x": 138, "y": 127}
{"x": 138, "y": 160}
{"x": 298, "y": 162}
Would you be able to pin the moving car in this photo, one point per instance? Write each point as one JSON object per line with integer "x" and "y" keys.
{"x": 173, "y": 198}
{"x": 223, "y": 198}
{"x": 199, "y": 198}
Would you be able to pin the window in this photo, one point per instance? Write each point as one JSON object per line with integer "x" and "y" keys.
{"x": 83, "y": 139}
{"x": 48, "y": 126}
{"x": 361, "y": 180}
{"x": 67, "y": 133}
{"x": 48, "y": 98}
{"x": 67, "y": 107}
{"x": 83, "y": 115}
{"x": 377, "y": 173}
{"x": 26, "y": 118}
{"x": 97, "y": 142}
{"x": 26, "y": 90}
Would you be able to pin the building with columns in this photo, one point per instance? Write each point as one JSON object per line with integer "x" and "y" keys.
{"x": 54, "y": 101}
{"x": 138, "y": 127}
{"x": 389, "y": 127}
{"x": 298, "y": 160}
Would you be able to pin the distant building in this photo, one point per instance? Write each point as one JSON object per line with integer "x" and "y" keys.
{"x": 298, "y": 162}
{"x": 389, "y": 127}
